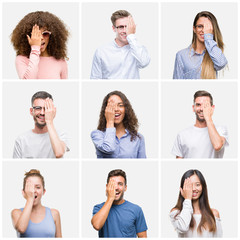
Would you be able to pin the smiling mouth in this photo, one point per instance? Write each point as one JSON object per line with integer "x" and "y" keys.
{"x": 117, "y": 193}
{"x": 117, "y": 115}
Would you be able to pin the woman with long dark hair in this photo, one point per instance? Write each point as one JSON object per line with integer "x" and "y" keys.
{"x": 204, "y": 57}
{"x": 192, "y": 215}
{"x": 117, "y": 133}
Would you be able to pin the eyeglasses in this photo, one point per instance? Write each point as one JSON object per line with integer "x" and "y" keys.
{"x": 199, "y": 27}
{"x": 121, "y": 27}
{"x": 38, "y": 108}
{"x": 46, "y": 34}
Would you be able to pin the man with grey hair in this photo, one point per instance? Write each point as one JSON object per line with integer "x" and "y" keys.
{"x": 204, "y": 139}
{"x": 43, "y": 141}
{"x": 123, "y": 57}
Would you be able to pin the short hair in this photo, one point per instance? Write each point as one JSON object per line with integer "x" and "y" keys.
{"x": 119, "y": 14}
{"x": 202, "y": 93}
{"x": 33, "y": 173}
{"x": 117, "y": 172}
{"x": 41, "y": 95}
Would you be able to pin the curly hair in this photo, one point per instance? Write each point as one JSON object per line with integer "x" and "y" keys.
{"x": 130, "y": 121}
{"x": 59, "y": 34}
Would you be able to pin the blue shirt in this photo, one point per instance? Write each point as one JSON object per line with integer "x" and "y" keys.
{"x": 188, "y": 62}
{"x": 108, "y": 145}
{"x": 45, "y": 229}
{"x": 124, "y": 220}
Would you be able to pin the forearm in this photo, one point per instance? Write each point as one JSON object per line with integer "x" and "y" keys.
{"x": 58, "y": 145}
{"x": 99, "y": 219}
{"x": 142, "y": 234}
{"x": 216, "y": 140}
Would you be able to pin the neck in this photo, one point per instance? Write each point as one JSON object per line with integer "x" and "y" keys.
{"x": 120, "y": 130}
{"x": 119, "y": 202}
{"x": 44, "y": 54}
{"x": 200, "y": 124}
{"x": 119, "y": 43}
{"x": 200, "y": 47}
{"x": 39, "y": 130}
{"x": 37, "y": 207}
{"x": 196, "y": 207}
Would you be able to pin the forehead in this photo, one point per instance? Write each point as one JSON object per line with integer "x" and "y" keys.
{"x": 121, "y": 21}
{"x": 35, "y": 180}
{"x": 202, "y": 20}
{"x": 118, "y": 179}
{"x": 194, "y": 178}
{"x": 39, "y": 102}
{"x": 202, "y": 99}
{"x": 115, "y": 99}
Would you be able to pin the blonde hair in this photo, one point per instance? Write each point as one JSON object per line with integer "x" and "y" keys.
{"x": 33, "y": 173}
{"x": 208, "y": 71}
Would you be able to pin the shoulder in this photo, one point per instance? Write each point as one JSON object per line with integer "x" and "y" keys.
{"x": 174, "y": 210}
{"x": 15, "y": 212}
{"x": 183, "y": 52}
{"x": 96, "y": 133}
{"x": 55, "y": 213}
{"x": 24, "y": 135}
{"x": 186, "y": 131}
{"x": 133, "y": 206}
{"x": 215, "y": 213}
{"x": 21, "y": 58}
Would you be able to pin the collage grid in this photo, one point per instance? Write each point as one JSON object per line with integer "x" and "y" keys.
{"x": 78, "y": 180}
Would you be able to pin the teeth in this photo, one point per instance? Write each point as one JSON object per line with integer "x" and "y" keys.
{"x": 116, "y": 115}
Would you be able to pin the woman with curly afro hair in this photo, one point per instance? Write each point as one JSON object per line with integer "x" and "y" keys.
{"x": 40, "y": 43}
{"x": 117, "y": 135}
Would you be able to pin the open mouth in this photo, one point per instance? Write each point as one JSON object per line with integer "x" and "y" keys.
{"x": 194, "y": 194}
{"x": 41, "y": 117}
{"x": 117, "y": 193}
{"x": 117, "y": 115}
{"x": 35, "y": 197}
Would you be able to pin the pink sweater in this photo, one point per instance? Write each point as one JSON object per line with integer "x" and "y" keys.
{"x": 37, "y": 67}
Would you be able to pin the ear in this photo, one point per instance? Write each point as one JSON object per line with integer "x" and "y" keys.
{"x": 213, "y": 106}
{"x": 44, "y": 191}
{"x": 193, "y": 108}
{"x": 114, "y": 29}
{"x": 125, "y": 188}
{"x": 31, "y": 111}
{"x": 194, "y": 29}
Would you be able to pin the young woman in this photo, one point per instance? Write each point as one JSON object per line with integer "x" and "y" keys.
{"x": 40, "y": 43}
{"x": 204, "y": 57}
{"x": 192, "y": 215}
{"x": 35, "y": 220}
{"x": 117, "y": 135}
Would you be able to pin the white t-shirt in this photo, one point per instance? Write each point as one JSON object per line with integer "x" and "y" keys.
{"x": 194, "y": 142}
{"x": 33, "y": 145}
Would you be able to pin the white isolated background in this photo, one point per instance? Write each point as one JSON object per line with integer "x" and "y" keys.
{"x": 16, "y": 111}
{"x": 97, "y": 31}
{"x": 144, "y": 100}
{"x": 177, "y": 113}
{"x": 177, "y": 27}
{"x": 142, "y": 189}
{"x": 222, "y": 183}
{"x": 14, "y": 12}
{"x": 62, "y": 192}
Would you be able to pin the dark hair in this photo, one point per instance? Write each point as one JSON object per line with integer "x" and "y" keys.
{"x": 59, "y": 34}
{"x": 130, "y": 120}
{"x": 208, "y": 219}
{"x": 119, "y": 14}
{"x": 117, "y": 172}
{"x": 41, "y": 95}
{"x": 33, "y": 173}
{"x": 202, "y": 93}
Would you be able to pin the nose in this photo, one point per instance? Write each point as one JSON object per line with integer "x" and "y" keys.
{"x": 194, "y": 187}
{"x": 43, "y": 110}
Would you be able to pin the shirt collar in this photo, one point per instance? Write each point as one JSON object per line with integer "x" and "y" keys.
{"x": 193, "y": 52}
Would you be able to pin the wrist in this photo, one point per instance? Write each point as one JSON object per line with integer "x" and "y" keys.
{"x": 110, "y": 124}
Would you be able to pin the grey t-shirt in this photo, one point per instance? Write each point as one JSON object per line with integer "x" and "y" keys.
{"x": 194, "y": 142}
{"x": 33, "y": 145}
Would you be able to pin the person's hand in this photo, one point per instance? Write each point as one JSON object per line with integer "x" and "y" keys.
{"x": 110, "y": 113}
{"x": 28, "y": 192}
{"x": 110, "y": 189}
{"x": 36, "y": 36}
{"x": 207, "y": 110}
{"x": 208, "y": 28}
{"x": 50, "y": 110}
{"x": 131, "y": 26}
{"x": 187, "y": 189}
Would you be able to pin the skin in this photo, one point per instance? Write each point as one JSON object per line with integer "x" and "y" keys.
{"x": 114, "y": 114}
{"x": 207, "y": 28}
{"x": 44, "y": 123}
{"x": 121, "y": 35}
{"x": 37, "y": 39}
{"x": 33, "y": 209}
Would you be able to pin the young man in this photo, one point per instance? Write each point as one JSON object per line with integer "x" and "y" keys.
{"x": 123, "y": 57}
{"x": 117, "y": 217}
{"x": 204, "y": 139}
{"x": 43, "y": 141}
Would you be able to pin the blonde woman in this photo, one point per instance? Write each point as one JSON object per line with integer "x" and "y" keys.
{"x": 204, "y": 57}
{"x": 35, "y": 220}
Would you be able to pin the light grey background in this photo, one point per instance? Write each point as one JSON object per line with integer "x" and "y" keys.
{"x": 62, "y": 192}
{"x": 176, "y": 32}
{"x": 222, "y": 183}
{"x": 144, "y": 100}
{"x": 16, "y": 111}
{"x": 68, "y": 12}
{"x": 97, "y": 31}
{"x": 177, "y": 113}
{"x": 142, "y": 189}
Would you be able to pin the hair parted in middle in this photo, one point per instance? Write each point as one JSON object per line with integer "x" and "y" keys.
{"x": 202, "y": 93}
{"x": 130, "y": 120}
{"x": 208, "y": 71}
{"x": 119, "y": 14}
{"x": 115, "y": 173}
{"x": 208, "y": 221}
{"x": 41, "y": 95}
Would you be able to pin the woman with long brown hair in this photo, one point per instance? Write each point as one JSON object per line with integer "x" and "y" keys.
{"x": 117, "y": 133}
{"x": 192, "y": 215}
{"x": 204, "y": 57}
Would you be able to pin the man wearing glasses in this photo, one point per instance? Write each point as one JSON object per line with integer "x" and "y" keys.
{"x": 123, "y": 57}
{"x": 204, "y": 139}
{"x": 43, "y": 141}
